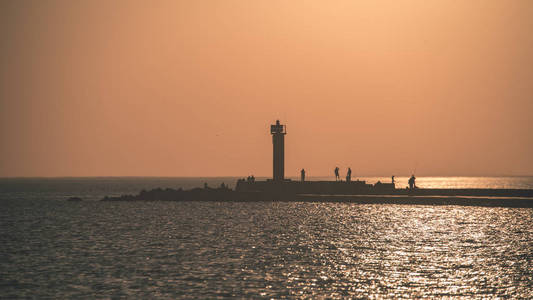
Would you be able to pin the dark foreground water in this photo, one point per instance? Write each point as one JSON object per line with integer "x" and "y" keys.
{"x": 58, "y": 249}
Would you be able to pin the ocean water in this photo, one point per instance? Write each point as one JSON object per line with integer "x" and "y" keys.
{"x": 51, "y": 248}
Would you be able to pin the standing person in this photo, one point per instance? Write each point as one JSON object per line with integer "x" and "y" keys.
{"x": 412, "y": 184}
{"x": 349, "y": 175}
{"x": 337, "y": 177}
{"x": 302, "y": 175}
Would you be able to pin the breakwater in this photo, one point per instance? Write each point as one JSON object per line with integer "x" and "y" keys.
{"x": 462, "y": 197}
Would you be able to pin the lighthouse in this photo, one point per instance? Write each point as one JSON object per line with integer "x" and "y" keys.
{"x": 278, "y": 132}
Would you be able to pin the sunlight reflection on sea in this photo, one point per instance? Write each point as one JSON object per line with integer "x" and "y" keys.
{"x": 52, "y": 248}
{"x": 60, "y": 249}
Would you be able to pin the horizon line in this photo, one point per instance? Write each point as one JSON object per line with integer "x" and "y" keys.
{"x": 234, "y": 176}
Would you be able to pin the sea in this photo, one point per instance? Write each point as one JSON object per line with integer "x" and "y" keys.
{"x": 52, "y": 248}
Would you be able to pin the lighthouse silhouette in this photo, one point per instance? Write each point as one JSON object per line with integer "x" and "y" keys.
{"x": 278, "y": 132}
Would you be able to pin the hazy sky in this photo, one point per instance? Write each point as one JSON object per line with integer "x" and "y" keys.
{"x": 189, "y": 88}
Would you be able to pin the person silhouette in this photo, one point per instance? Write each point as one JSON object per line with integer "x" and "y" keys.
{"x": 337, "y": 177}
{"x": 302, "y": 175}
{"x": 412, "y": 184}
{"x": 349, "y": 175}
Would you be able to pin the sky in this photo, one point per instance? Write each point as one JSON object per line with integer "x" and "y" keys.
{"x": 190, "y": 88}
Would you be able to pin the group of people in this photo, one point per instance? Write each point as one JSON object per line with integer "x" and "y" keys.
{"x": 412, "y": 180}
{"x": 412, "y": 183}
{"x": 348, "y": 174}
{"x": 337, "y": 176}
{"x": 250, "y": 179}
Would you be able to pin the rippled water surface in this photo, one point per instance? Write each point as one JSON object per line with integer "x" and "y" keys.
{"x": 265, "y": 249}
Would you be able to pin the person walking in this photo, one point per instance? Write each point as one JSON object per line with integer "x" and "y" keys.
{"x": 302, "y": 175}
{"x": 337, "y": 177}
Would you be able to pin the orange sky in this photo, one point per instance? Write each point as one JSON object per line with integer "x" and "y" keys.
{"x": 189, "y": 88}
